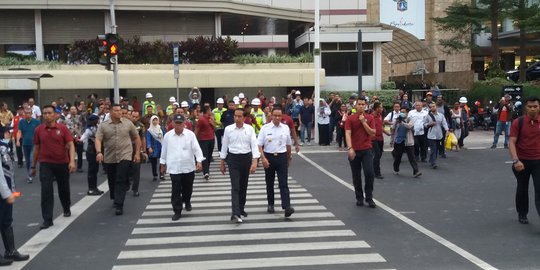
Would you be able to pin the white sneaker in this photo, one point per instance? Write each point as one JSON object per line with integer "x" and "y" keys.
{"x": 396, "y": 172}
{"x": 301, "y": 144}
{"x": 309, "y": 143}
{"x": 236, "y": 219}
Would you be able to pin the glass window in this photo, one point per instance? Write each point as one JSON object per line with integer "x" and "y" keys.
{"x": 329, "y": 46}
{"x": 347, "y": 46}
{"x": 346, "y": 63}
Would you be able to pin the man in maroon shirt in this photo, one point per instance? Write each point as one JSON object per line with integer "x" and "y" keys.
{"x": 50, "y": 142}
{"x": 204, "y": 130}
{"x": 377, "y": 142}
{"x": 525, "y": 151}
{"x": 287, "y": 120}
{"x": 359, "y": 129}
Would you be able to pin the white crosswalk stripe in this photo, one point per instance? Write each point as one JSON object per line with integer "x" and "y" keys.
{"x": 204, "y": 238}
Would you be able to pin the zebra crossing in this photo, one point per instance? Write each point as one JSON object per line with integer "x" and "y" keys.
{"x": 205, "y": 238}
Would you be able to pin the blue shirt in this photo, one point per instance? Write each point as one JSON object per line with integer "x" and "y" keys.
{"x": 401, "y": 134}
{"x": 27, "y": 129}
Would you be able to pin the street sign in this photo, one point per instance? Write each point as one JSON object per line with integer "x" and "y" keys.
{"x": 176, "y": 60}
{"x": 515, "y": 91}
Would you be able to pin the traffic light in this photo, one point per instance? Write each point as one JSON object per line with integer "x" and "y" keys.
{"x": 103, "y": 48}
{"x": 113, "y": 44}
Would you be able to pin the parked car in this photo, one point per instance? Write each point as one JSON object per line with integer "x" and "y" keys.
{"x": 532, "y": 73}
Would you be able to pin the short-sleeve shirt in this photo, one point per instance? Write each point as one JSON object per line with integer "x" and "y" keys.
{"x": 307, "y": 114}
{"x": 287, "y": 120}
{"x": 27, "y": 129}
{"x": 378, "y": 121}
{"x": 52, "y": 143}
{"x": 274, "y": 139}
{"x": 361, "y": 140}
{"x": 116, "y": 139}
{"x": 528, "y": 144}
{"x": 206, "y": 132}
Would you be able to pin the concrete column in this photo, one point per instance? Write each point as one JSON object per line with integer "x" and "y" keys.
{"x": 377, "y": 64}
{"x": 107, "y": 18}
{"x": 40, "y": 55}
{"x": 271, "y": 51}
{"x": 217, "y": 23}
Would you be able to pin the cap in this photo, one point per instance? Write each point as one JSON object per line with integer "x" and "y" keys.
{"x": 429, "y": 94}
{"x": 462, "y": 100}
{"x": 241, "y": 95}
{"x": 184, "y": 104}
{"x": 236, "y": 100}
{"x": 149, "y": 95}
{"x": 176, "y": 103}
{"x": 256, "y": 102}
{"x": 178, "y": 118}
{"x": 172, "y": 99}
{"x": 297, "y": 92}
{"x": 220, "y": 101}
{"x": 93, "y": 117}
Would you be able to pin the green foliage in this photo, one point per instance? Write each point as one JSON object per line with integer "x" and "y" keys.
{"x": 14, "y": 62}
{"x": 388, "y": 85}
{"x": 254, "y": 59}
{"x": 387, "y": 97}
{"x": 461, "y": 20}
{"x": 495, "y": 71}
{"x": 199, "y": 50}
{"x": 484, "y": 91}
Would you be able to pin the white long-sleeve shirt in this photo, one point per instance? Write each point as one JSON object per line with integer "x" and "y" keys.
{"x": 417, "y": 118}
{"x": 239, "y": 141}
{"x": 177, "y": 151}
{"x": 324, "y": 115}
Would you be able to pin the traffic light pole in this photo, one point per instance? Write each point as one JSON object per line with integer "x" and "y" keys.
{"x": 115, "y": 61}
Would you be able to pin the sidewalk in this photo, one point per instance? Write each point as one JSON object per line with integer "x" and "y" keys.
{"x": 477, "y": 140}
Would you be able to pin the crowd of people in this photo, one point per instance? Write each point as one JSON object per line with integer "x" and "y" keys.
{"x": 179, "y": 140}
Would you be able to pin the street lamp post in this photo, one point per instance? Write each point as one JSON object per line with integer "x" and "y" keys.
{"x": 317, "y": 64}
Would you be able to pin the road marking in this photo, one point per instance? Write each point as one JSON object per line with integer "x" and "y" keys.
{"x": 227, "y": 191}
{"x": 227, "y": 198}
{"x": 246, "y": 226}
{"x": 224, "y": 186}
{"x": 228, "y": 204}
{"x": 43, "y": 238}
{"x": 460, "y": 251}
{"x": 261, "y": 262}
{"x": 187, "y": 218}
{"x": 239, "y": 249}
{"x": 238, "y": 237}
{"x": 227, "y": 210}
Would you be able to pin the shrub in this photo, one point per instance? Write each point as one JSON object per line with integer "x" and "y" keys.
{"x": 387, "y": 97}
{"x": 254, "y": 59}
{"x": 388, "y": 85}
{"x": 484, "y": 91}
{"x": 11, "y": 62}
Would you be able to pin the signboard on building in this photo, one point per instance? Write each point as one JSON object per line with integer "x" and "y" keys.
{"x": 409, "y": 15}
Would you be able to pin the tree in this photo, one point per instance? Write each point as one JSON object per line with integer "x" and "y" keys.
{"x": 527, "y": 18}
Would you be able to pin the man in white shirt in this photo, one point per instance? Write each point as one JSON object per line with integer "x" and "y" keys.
{"x": 416, "y": 117}
{"x": 240, "y": 150}
{"x": 36, "y": 112}
{"x": 393, "y": 115}
{"x": 179, "y": 147}
{"x": 275, "y": 148}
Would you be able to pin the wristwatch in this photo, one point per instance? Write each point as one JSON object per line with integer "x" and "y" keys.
{"x": 515, "y": 161}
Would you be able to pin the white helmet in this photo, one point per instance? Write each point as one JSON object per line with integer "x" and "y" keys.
{"x": 176, "y": 104}
{"x": 220, "y": 101}
{"x": 241, "y": 95}
{"x": 184, "y": 104}
{"x": 236, "y": 100}
{"x": 256, "y": 102}
{"x": 297, "y": 92}
{"x": 463, "y": 100}
{"x": 172, "y": 99}
{"x": 149, "y": 95}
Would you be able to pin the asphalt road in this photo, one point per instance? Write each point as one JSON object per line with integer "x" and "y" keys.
{"x": 467, "y": 202}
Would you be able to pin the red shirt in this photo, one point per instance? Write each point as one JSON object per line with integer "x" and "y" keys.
{"x": 361, "y": 140}
{"x": 52, "y": 143}
{"x": 378, "y": 120}
{"x": 206, "y": 132}
{"x": 16, "y": 125}
{"x": 287, "y": 120}
{"x": 502, "y": 115}
{"x": 528, "y": 144}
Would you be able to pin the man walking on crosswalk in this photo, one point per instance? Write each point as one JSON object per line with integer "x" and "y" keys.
{"x": 240, "y": 151}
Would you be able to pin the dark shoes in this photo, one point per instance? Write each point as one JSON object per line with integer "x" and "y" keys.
{"x": 359, "y": 203}
{"x": 493, "y": 146}
{"x": 417, "y": 174}
{"x": 161, "y": 177}
{"x": 270, "y": 209}
{"x": 176, "y": 217}
{"x": 523, "y": 219}
{"x": 94, "y": 192}
{"x": 236, "y": 219}
{"x": 244, "y": 214}
{"x": 67, "y": 213}
{"x": 371, "y": 203}
{"x": 378, "y": 176}
{"x": 206, "y": 176}
{"x": 16, "y": 256}
{"x": 119, "y": 211}
{"x": 154, "y": 179}
{"x": 136, "y": 194}
{"x": 188, "y": 207}
{"x": 45, "y": 225}
{"x": 5, "y": 262}
{"x": 434, "y": 166}
{"x": 289, "y": 211}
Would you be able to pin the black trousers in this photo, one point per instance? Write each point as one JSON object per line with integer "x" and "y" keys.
{"x": 207, "y": 148}
{"x": 324, "y": 134}
{"x": 93, "y": 168}
{"x": 79, "y": 148}
{"x": 532, "y": 168}
{"x": 48, "y": 172}
{"x": 340, "y": 136}
{"x": 377, "y": 154}
{"x": 279, "y": 165}
{"x": 442, "y": 143}
{"x": 219, "y": 136}
{"x": 6, "y": 214}
{"x": 464, "y": 134}
{"x": 134, "y": 176}
{"x": 420, "y": 146}
{"x": 20, "y": 155}
{"x": 154, "y": 163}
{"x": 397, "y": 153}
{"x": 239, "y": 165}
{"x": 182, "y": 188}
{"x": 117, "y": 174}
{"x": 363, "y": 159}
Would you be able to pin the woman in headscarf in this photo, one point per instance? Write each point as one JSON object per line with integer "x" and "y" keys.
{"x": 323, "y": 121}
{"x": 154, "y": 135}
{"x": 88, "y": 138}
